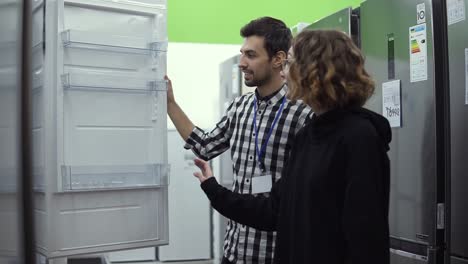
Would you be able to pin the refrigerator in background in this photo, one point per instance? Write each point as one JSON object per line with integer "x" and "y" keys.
{"x": 99, "y": 126}
{"x": 428, "y": 118}
{"x": 190, "y": 228}
{"x": 230, "y": 77}
{"x": 345, "y": 20}
{"x": 397, "y": 40}
{"x": 458, "y": 65}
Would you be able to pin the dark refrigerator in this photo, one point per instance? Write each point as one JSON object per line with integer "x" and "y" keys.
{"x": 398, "y": 43}
{"x": 458, "y": 65}
{"x": 346, "y": 20}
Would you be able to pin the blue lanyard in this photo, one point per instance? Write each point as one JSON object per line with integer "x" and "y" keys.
{"x": 263, "y": 149}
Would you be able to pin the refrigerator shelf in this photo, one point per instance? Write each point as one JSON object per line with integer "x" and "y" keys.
{"x": 38, "y": 47}
{"x": 112, "y": 83}
{"x": 10, "y": 79}
{"x": 97, "y": 41}
{"x": 7, "y": 52}
{"x": 10, "y": 45}
{"x": 114, "y": 177}
{"x": 38, "y": 80}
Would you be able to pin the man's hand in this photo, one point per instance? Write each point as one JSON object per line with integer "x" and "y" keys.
{"x": 170, "y": 92}
{"x": 205, "y": 173}
{"x": 181, "y": 121}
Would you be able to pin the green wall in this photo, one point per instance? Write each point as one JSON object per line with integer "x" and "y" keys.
{"x": 219, "y": 21}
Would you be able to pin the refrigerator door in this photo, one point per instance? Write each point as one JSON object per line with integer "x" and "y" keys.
{"x": 230, "y": 82}
{"x": 458, "y": 59}
{"x": 10, "y": 177}
{"x": 386, "y": 28}
{"x": 101, "y": 128}
{"x": 189, "y": 210}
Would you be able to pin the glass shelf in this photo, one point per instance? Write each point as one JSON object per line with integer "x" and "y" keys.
{"x": 111, "y": 82}
{"x": 86, "y": 178}
{"x": 113, "y": 43}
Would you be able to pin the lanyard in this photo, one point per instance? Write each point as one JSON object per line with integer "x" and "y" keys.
{"x": 261, "y": 152}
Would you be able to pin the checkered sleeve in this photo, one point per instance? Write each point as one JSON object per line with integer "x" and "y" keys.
{"x": 208, "y": 145}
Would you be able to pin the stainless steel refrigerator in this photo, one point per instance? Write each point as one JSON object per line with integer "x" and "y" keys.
{"x": 346, "y": 20}
{"x": 398, "y": 40}
{"x": 230, "y": 78}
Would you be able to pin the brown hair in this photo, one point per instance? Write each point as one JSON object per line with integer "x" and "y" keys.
{"x": 328, "y": 71}
{"x": 275, "y": 32}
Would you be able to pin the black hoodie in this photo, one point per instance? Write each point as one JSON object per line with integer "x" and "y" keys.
{"x": 331, "y": 204}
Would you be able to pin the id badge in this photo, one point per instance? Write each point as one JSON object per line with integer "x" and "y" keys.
{"x": 261, "y": 184}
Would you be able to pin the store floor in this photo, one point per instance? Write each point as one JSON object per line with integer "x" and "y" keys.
{"x": 169, "y": 262}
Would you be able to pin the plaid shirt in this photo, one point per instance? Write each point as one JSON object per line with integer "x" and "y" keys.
{"x": 236, "y": 130}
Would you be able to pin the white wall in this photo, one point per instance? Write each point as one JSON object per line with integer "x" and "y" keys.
{"x": 194, "y": 71}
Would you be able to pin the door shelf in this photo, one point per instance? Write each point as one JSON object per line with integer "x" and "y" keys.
{"x": 112, "y": 83}
{"x": 38, "y": 47}
{"x": 111, "y": 43}
{"x": 113, "y": 177}
{"x": 10, "y": 79}
{"x": 37, "y": 80}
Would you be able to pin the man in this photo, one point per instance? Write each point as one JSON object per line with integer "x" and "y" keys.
{"x": 257, "y": 127}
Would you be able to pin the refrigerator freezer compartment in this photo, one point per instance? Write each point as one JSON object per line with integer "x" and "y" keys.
{"x": 111, "y": 43}
{"x": 111, "y": 82}
{"x": 112, "y": 177}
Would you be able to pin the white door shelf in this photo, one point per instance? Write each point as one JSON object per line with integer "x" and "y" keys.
{"x": 99, "y": 41}
{"x": 112, "y": 177}
{"x": 111, "y": 82}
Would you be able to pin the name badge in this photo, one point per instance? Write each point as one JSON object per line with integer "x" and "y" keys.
{"x": 261, "y": 184}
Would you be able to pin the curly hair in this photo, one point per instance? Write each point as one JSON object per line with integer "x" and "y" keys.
{"x": 327, "y": 71}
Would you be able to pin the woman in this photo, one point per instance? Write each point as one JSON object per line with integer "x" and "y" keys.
{"x": 331, "y": 205}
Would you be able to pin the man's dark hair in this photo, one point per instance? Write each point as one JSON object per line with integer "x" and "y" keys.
{"x": 276, "y": 34}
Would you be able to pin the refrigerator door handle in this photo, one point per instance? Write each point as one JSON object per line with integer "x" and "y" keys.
{"x": 440, "y": 216}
